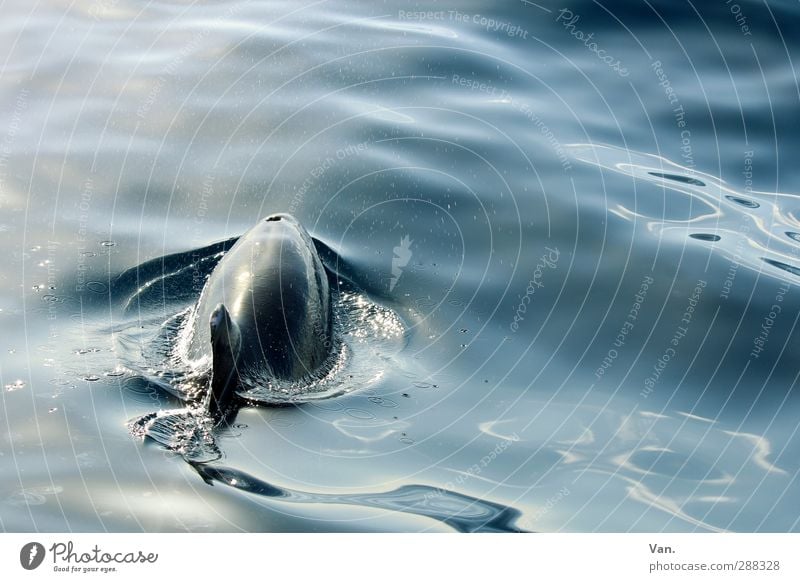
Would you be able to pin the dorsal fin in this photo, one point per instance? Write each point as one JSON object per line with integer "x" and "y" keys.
{"x": 226, "y": 341}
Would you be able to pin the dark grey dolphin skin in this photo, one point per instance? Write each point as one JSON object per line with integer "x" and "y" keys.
{"x": 265, "y": 311}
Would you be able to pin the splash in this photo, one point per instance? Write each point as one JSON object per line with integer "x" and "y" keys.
{"x": 367, "y": 336}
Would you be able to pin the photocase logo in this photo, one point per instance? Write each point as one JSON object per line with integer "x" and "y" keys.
{"x": 402, "y": 254}
{"x": 31, "y": 555}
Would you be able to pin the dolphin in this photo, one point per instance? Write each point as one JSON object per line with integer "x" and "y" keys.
{"x": 264, "y": 313}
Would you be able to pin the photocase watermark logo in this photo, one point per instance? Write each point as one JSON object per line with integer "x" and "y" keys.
{"x": 31, "y": 555}
{"x": 549, "y": 259}
{"x": 569, "y": 21}
{"x": 68, "y": 558}
{"x": 402, "y": 255}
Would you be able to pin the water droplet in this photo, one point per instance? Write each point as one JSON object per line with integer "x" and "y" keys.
{"x": 705, "y": 237}
{"x": 91, "y": 378}
{"x": 14, "y": 386}
{"x": 108, "y": 243}
{"x": 406, "y": 395}
{"x": 463, "y": 330}
{"x": 52, "y": 410}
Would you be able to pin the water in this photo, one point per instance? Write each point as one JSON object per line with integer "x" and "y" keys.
{"x": 593, "y": 256}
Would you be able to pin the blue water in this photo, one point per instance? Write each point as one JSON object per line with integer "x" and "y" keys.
{"x": 585, "y": 217}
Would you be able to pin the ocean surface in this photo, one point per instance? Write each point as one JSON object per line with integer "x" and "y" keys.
{"x": 571, "y": 231}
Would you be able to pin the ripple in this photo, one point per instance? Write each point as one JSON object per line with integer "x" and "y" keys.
{"x": 782, "y": 266}
{"x": 382, "y": 401}
{"x": 678, "y": 178}
{"x": 748, "y": 238}
{"x": 96, "y": 287}
{"x": 33, "y": 495}
{"x": 461, "y": 512}
{"x": 672, "y": 464}
{"x": 743, "y": 202}
{"x": 359, "y": 413}
{"x": 706, "y": 237}
{"x": 329, "y": 405}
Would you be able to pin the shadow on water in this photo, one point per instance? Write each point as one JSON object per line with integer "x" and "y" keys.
{"x": 461, "y": 512}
